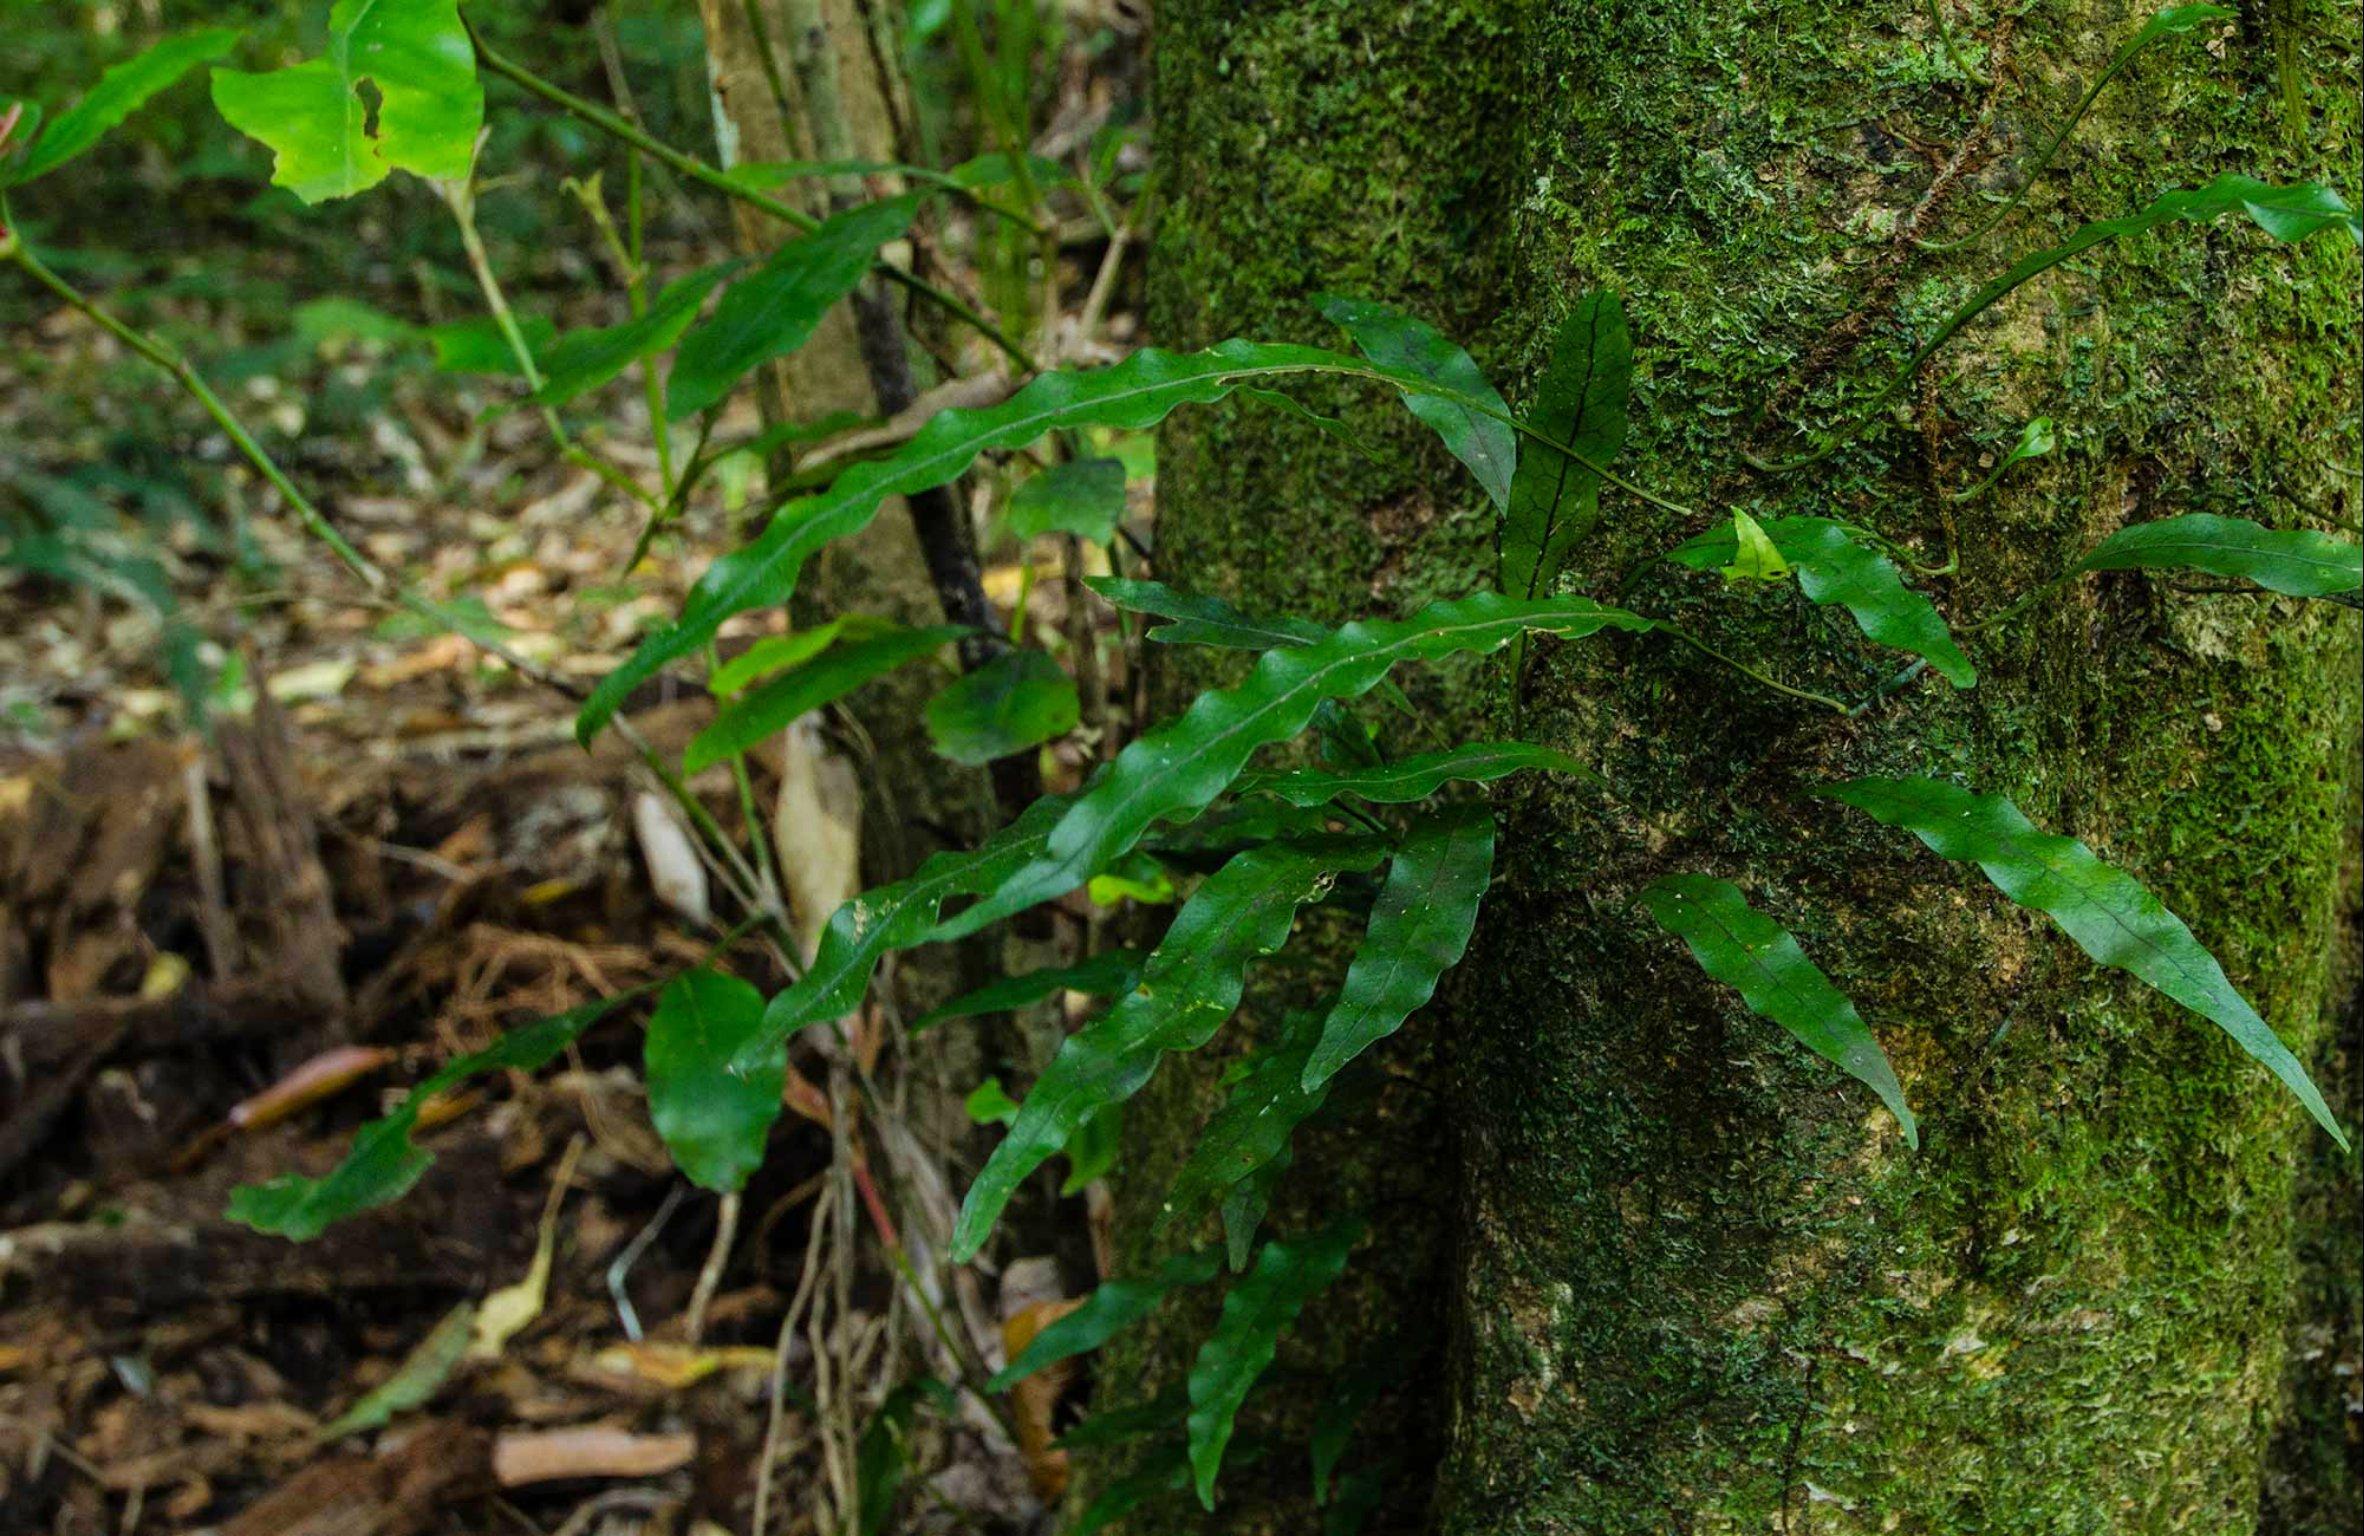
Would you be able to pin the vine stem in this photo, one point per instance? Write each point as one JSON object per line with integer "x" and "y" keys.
{"x": 1743, "y": 668}
{"x": 707, "y": 176}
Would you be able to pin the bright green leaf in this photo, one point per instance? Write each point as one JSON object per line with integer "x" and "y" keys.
{"x": 1753, "y": 556}
{"x": 771, "y": 655}
{"x": 1085, "y": 498}
{"x": 1581, "y": 401}
{"x": 480, "y": 346}
{"x": 1742, "y": 948}
{"x": 1487, "y": 443}
{"x": 1247, "y": 1336}
{"x": 120, "y": 92}
{"x": 1104, "y": 1314}
{"x": 2106, "y": 911}
{"x": 1019, "y": 699}
{"x": 766, "y": 711}
{"x": 775, "y": 309}
{"x": 330, "y": 142}
{"x": 2302, "y": 563}
{"x": 581, "y": 361}
{"x": 714, "y": 1113}
{"x": 2036, "y": 440}
{"x": 990, "y": 1104}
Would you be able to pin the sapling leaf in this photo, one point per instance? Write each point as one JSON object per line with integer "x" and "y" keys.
{"x": 713, "y": 1113}
{"x": 1742, "y": 948}
{"x": 1835, "y": 566}
{"x": 764, "y": 711}
{"x": 1419, "y": 929}
{"x": 581, "y": 361}
{"x": 1202, "y": 620}
{"x": 1259, "y": 1309}
{"x": 1085, "y": 498}
{"x": 2106, "y": 911}
{"x": 2036, "y": 440}
{"x": 1019, "y": 699}
{"x": 1189, "y": 987}
{"x": 774, "y": 654}
{"x": 1109, "y": 974}
{"x": 1251, "y": 1128}
{"x": 330, "y": 142}
{"x": 1184, "y": 764}
{"x": 1581, "y": 401}
{"x": 2301, "y": 562}
{"x": 1394, "y": 340}
{"x": 774, "y": 310}
{"x": 383, "y": 1163}
{"x": 478, "y": 345}
{"x": 990, "y": 1104}
{"x": 1107, "y": 1312}
{"x": 121, "y": 91}
{"x": 1412, "y": 778}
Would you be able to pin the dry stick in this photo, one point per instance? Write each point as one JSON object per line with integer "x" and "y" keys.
{"x": 726, "y": 1229}
{"x": 776, "y": 1420}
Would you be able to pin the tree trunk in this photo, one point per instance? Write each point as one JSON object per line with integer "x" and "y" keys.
{"x": 1691, "y": 1279}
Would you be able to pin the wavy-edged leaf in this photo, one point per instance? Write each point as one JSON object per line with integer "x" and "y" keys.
{"x": 1183, "y": 765}
{"x": 1111, "y": 973}
{"x": 1019, "y": 699}
{"x": 1487, "y": 443}
{"x": 763, "y": 712}
{"x": 329, "y": 142}
{"x": 1085, "y": 498}
{"x": 774, "y": 310}
{"x": 2105, "y": 910}
{"x": 1201, "y": 620}
{"x": 1419, "y": 929}
{"x": 714, "y": 1114}
{"x": 1104, "y": 1314}
{"x": 1114, "y": 1426}
{"x": 581, "y": 361}
{"x": 1581, "y": 401}
{"x": 1287, "y": 1275}
{"x": 1187, "y": 990}
{"x": 121, "y": 91}
{"x": 2301, "y": 563}
{"x": 1132, "y": 395}
{"x": 1412, "y": 778}
{"x": 1835, "y": 566}
{"x": 1749, "y": 952}
{"x": 1162, "y": 1473}
{"x": 1252, "y": 1128}
{"x": 1245, "y": 1206}
{"x": 899, "y": 916}
{"x": 383, "y": 1163}
{"x": 774, "y": 654}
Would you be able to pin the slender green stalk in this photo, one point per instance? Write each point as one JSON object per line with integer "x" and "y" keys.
{"x": 1745, "y": 670}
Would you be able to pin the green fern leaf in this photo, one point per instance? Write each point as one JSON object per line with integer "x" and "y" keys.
{"x": 1105, "y": 1313}
{"x": 581, "y": 361}
{"x": 1252, "y": 1128}
{"x": 1412, "y": 778}
{"x": 2301, "y": 563}
{"x": 1483, "y": 440}
{"x": 764, "y": 712}
{"x": 1109, "y": 974}
{"x": 1247, "y": 1336}
{"x": 1581, "y": 400}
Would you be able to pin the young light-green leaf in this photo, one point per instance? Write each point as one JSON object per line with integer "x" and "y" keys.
{"x": 1419, "y": 929}
{"x": 2301, "y": 563}
{"x": 772, "y": 655}
{"x": 1835, "y": 566}
{"x": 1187, "y": 990}
{"x": 1396, "y": 341}
{"x": 2106, "y": 911}
{"x": 1581, "y": 401}
{"x": 1016, "y": 701}
{"x": 1085, "y": 498}
{"x": 121, "y": 91}
{"x": 1258, "y": 1311}
{"x": 1746, "y": 950}
{"x": 330, "y": 142}
{"x": 774, "y": 310}
{"x": 763, "y": 712}
{"x": 1183, "y": 765}
{"x": 583, "y": 360}
{"x": 1112, "y": 973}
{"x": 713, "y": 1113}
{"x": 1412, "y": 778}
{"x": 1107, "y": 1312}
{"x": 383, "y": 1163}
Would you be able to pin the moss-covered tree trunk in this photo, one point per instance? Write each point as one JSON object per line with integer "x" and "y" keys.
{"x": 1688, "y": 1278}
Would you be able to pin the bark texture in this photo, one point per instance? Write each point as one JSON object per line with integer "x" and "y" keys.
{"x": 1696, "y": 1282}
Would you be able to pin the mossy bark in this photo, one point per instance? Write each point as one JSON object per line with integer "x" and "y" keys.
{"x": 1696, "y": 1282}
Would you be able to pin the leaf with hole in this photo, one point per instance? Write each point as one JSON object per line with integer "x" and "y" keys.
{"x": 121, "y": 91}
{"x": 1287, "y": 1276}
{"x": 1018, "y": 700}
{"x": 1483, "y": 440}
{"x": 1581, "y": 401}
{"x": 383, "y": 1163}
{"x": 1104, "y": 1314}
{"x": 1189, "y": 987}
{"x": 2106, "y": 911}
{"x": 1749, "y": 952}
{"x": 1180, "y": 767}
{"x": 2301, "y": 562}
{"x": 581, "y": 361}
{"x": 713, "y": 1113}
{"x": 1085, "y": 498}
{"x": 330, "y": 142}
{"x": 1419, "y": 929}
{"x": 775, "y": 309}
{"x": 763, "y": 712}
{"x": 1835, "y": 565}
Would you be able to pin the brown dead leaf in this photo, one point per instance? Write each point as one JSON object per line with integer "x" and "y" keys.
{"x": 524, "y": 1457}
